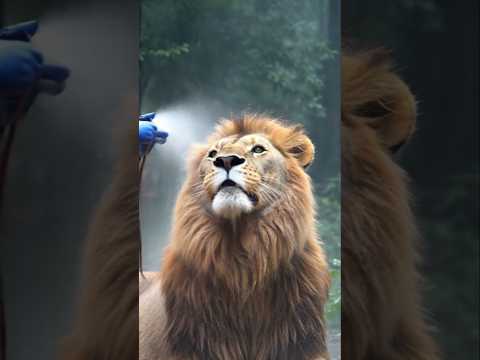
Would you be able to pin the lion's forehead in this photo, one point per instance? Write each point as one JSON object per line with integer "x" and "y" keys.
{"x": 241, "y": 143}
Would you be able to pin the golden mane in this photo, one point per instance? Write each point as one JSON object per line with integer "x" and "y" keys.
{"x": 381, "y": 303}
{"x": 254, "y": 289}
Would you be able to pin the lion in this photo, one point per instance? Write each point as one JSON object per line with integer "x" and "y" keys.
{"x": 244, "y": 276}
{"x": 382, "y": 315}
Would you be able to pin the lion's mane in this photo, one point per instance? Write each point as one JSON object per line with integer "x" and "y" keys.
{"x": 255, "y": 289}
{"x": 382, "y": 316}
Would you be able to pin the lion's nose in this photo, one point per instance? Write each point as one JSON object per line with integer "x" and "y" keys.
{"x": 228, "y": 162}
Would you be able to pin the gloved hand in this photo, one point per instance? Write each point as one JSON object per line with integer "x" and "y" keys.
{"x": 22, "y": 70}
{"x": 149, "y": 135}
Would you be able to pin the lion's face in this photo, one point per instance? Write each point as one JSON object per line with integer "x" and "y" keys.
{"x": 241, "y": 174}
{"x": 249, "y": 166}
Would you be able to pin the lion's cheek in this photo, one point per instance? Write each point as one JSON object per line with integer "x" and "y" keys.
{"x": 208, "y": 184}
{"x": 252, "y": 181}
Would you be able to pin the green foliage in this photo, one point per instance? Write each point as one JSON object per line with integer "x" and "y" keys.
{"x": 329, "y": 214}
{"x": 165, "y": 54}
{"x": 245, "y": 54}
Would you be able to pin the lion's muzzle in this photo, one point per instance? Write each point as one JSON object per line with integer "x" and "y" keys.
{"x": 231, "y": 200}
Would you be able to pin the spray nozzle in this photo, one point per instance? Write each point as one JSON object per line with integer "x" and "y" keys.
{"x": 19, "y": 32}
{"x": 147, "y": 117}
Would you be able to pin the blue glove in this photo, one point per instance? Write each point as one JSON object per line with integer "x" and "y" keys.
{"x": 22, "y": 70}
{"x": 22, "y": 67}
{"x": 149, "y": 135}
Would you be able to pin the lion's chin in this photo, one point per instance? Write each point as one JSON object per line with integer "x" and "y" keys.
{"x": 231, "y": 202}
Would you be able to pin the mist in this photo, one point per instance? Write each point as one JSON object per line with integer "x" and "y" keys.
{"x": 188, "y": 123}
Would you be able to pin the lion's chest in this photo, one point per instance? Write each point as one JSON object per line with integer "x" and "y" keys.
{"x": 208, "y": 321}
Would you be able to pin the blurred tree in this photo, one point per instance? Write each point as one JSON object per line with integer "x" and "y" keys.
{"x": 249, "y": 56}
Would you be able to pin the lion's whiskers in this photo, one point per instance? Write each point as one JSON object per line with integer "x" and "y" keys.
{"x": 270, "y": 193}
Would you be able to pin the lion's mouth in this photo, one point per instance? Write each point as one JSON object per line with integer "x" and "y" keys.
{"x": 227, "y": 184}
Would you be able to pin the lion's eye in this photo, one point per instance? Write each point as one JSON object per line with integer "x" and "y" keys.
{"x": 258, "y": 149}
{"x": 212, "y": 154}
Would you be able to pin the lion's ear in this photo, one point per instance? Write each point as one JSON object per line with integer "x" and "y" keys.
{"x": 301, "y": 148}
{"x": 373, "y": 94}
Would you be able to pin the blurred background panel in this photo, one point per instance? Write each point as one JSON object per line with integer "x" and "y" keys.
{"x": 434, "y": 44}
{"x": 203, "y": 60}
{"x": 62, "y": 161}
